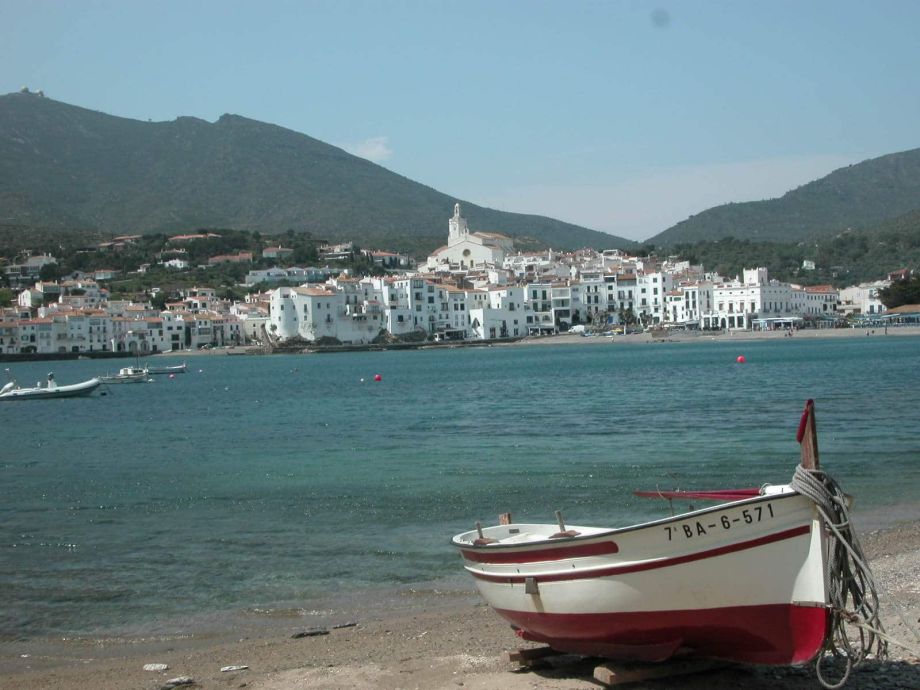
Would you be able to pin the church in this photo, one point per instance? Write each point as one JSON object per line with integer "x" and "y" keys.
{"x": 467, "y": 250}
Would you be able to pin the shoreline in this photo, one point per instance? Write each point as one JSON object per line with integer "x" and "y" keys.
{"x": 428, "y": 639}
{"x": 575, "y": 339}
{"x": 522, "y": 341}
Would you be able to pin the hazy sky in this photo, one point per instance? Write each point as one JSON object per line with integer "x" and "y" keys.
{"x": 621, "y": 116}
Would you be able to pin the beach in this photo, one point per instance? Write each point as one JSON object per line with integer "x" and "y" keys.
{"x": 449, "y": 641}
{"x": 648, "y": 337}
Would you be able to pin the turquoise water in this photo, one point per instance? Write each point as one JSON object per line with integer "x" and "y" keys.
{"x": 281, "y": 481}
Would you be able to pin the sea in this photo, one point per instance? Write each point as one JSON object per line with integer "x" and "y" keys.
{"x": 258, "y": 484}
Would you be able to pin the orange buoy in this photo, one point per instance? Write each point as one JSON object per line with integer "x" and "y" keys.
{"x": 741, "y": 359}
{"x": 378, "y": 377}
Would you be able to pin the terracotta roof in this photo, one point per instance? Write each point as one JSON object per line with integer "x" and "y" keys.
{"x": 313, "y": 292}
{"x": 904, "y": 309}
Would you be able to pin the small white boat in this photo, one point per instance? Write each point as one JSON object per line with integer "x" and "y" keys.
{"x": 745, "y": 580}
{"x": 127, "y": 375}
{"x": 13, "y": 391}
{"x": 177, "y": 369}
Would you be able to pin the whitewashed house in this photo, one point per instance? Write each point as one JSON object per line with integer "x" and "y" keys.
{"x": 319, "y": 312}
{"x": 863, "y": 298}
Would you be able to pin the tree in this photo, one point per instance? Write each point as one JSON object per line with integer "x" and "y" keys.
{"x": 901, "y": 292}
{"x": 51, "y": 272}
{"x": 6, "y": 297}
{"x": 159, "y": 301}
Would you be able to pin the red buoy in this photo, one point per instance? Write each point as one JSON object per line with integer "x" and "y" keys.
{"x": 378, "y": 377}
{"x": 741, "y": 359}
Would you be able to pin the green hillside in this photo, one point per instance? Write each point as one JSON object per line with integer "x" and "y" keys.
{"x": 858, "y": 196}
{"x": 848, "y": 258}
{"x": 67, "y": 168}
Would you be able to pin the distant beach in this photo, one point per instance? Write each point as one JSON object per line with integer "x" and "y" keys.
{"x": 727, "y": 337}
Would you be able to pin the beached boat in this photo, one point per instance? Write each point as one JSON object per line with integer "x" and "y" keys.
{"x": 177, "y": 369}
{"x": 744, "y": 580}
{"x": 127, "y": 375}
{"x": 13, "y": 391}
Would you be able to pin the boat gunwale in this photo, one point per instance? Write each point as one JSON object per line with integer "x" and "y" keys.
{"x": 541, "y": 544}
{"x": 603, "y": 570}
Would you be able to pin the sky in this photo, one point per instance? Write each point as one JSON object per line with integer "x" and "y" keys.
{"x": 622, "y": 116}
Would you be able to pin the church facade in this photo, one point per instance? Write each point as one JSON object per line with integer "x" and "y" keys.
{"x": 468, "y": 250}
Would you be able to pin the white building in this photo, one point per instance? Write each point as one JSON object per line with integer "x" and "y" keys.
{"x": 497, "y": 313}
{"x": 313, "y": 313}
{"x": 757, "y": 302}
{"x": 863, "y": 298}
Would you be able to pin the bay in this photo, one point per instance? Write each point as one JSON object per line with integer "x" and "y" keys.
{"x": 255, "y": 483}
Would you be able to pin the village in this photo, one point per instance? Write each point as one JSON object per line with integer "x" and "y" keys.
{"x": 474, "y": 288}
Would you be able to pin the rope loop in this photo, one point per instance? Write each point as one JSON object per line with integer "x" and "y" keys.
{"x": 853, "y": 597}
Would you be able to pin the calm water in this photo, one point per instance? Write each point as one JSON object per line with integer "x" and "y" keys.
{"x": 279, "y": 481}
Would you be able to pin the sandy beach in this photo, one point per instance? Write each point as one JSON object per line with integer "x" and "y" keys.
{"x": 718, "y": 337}
{"x": 448, "y": 640}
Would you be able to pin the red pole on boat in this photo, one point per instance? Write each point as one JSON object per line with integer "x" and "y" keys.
{"x": 807, "y": 437}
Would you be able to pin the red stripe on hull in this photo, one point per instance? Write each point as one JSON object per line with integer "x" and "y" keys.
{"x": 538, "y": 555}
{"x": 779, "y": 634}
{"x": 652, "y": 565}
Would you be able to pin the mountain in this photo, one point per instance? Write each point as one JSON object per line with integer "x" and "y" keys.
{"x": 70, "y": 168}
{"x": 858, "y": 196}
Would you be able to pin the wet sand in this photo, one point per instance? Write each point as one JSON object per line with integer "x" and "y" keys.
{"x": 443, "y": 640}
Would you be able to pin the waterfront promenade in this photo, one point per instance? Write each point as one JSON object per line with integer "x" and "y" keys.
{"x": 635, "y": 339}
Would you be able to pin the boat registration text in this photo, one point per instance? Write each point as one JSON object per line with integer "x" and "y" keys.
{"x": 726, "y": 521}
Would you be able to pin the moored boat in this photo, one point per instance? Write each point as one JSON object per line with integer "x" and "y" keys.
{"x": 127, "y": 375}
{"x": 13, "y": 391}
{"x": 177, "y": 369}
{"x": 745, "y": 580}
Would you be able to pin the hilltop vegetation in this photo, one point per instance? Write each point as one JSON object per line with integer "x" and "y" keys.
{"x": 859, "y": 196}
{"x": 72, "y": 169}
{"x": 846, "y": 259}
{"x": 73, "y": 256}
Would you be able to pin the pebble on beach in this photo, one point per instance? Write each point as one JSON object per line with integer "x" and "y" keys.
{"x": 156, "y": 667}
{"x": 177, "y": 682}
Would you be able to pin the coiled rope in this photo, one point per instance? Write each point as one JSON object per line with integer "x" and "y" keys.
{"x": 853, "y": 598}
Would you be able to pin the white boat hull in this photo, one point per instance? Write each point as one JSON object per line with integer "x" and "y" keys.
{"x": 741, "y": 581}
{"x": 124, "y": 378}
{"x": 52, "y": 391}
{"x": 178, "y": 369}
